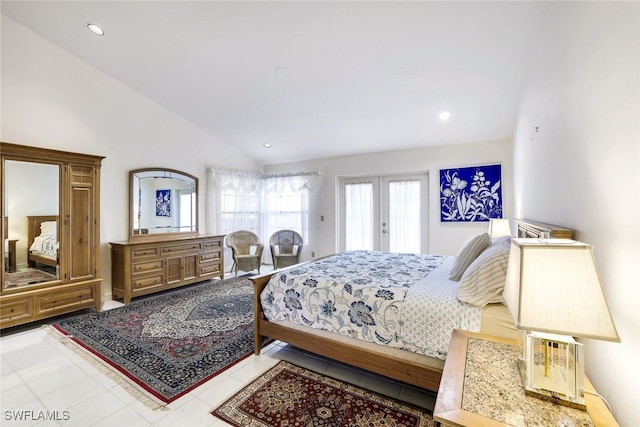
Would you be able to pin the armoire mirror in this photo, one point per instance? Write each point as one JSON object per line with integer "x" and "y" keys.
{"x": 162, "y": 201}
{"x": 31, "y": 208}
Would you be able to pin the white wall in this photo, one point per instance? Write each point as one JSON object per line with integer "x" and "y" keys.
{"x": 52, "y": 99}
{"x": 443, "y": 238}
{"x": 581, "y": 169}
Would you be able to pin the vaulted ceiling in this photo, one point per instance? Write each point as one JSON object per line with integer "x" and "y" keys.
{"x": 313, "y": 79}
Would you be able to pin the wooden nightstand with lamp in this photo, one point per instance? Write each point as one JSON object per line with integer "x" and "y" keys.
{"x": 554, "y": 293}
{"x": 481, "y": 386}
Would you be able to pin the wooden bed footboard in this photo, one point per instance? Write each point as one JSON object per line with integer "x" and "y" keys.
{"x": 34, "y": 222}
{"x": 391, "y": 366}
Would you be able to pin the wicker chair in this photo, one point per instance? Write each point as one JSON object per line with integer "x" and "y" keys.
{"x": 241, "y": 243}
{"x": 286, "y": 246}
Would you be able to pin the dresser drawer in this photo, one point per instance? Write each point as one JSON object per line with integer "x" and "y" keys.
{"x": 76, "y": 298}
{"x": 182, "y": 247}
{"x": 145, "y": 267}
{"x": 210, "y": 256}
{"x": 13, "y": 311}
{"x": 210, "y": 268}
{"x": 147, "y": 282}
{"x": 212, "y": 244}
{"x": 145, "y": 252}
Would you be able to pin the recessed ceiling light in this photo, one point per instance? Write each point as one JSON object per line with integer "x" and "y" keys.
{"x": 95, "y": 29}
{"x": 444, "y": 116}
{"x": 266, "y": 145}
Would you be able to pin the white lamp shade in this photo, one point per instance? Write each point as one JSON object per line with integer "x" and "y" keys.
{"x": 499, "y": 227}
{"x": 553, "y": 286}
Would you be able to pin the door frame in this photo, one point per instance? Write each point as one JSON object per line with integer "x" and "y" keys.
{"x": 380, "y": 214}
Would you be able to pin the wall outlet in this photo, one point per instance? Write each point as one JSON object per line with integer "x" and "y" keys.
{"x": 313, "y": 254}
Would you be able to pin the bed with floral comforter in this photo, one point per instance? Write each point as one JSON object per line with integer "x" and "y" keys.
{"x": 404, "y": 301}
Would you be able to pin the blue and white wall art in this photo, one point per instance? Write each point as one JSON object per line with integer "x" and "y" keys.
{"x": 472, "y": 194}
{"x": 163, "y": 203}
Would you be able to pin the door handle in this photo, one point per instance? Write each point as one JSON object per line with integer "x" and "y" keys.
{"x": 384, "y": 232}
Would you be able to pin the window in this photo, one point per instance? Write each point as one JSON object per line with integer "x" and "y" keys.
{"x": 262, "y": 204}
{"x": 239, "y": 211}
{"x": 286, "y": 204}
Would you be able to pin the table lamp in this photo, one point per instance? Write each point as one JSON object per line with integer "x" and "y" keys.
{"x": 554, "y": 293}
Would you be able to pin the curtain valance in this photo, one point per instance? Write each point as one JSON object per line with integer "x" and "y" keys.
{"x": 250, "y": 182}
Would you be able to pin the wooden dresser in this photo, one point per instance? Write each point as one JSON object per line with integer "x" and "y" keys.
{"x": 143, "y": 267}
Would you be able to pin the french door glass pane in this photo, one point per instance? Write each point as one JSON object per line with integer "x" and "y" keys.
{"x": 404, "y": 216}
{"x": 359, "y": 216}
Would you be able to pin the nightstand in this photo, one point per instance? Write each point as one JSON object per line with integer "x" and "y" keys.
{"x": 10, "y": 260}
{"x": 481, "y": 386}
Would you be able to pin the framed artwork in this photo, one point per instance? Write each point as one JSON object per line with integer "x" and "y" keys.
{"x": 471, "y": 194}
{"x": 163, "y": 203}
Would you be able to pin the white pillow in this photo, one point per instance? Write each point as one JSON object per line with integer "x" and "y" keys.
{"x": 48, "y": 228}
{"x": 469, "y": 252}
{"x": 501, "y": 240}
{"x": 484, "y": 280}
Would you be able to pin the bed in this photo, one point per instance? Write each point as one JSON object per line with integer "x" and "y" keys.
{"x": 43, "y": 240}
{"x": 393, "y": 327}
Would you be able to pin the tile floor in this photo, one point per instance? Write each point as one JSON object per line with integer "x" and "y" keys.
{"x": 39, "y": 375}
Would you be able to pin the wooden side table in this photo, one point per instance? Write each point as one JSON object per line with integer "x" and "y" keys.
{"x": 481, "y": 386}
{"x": 11, "y": 256}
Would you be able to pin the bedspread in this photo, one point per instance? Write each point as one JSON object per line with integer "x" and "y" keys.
{"x": 46, "y": 245}
{"x": 363, "y": 294}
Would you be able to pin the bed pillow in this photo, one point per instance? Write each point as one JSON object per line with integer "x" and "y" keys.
{"x": 501, "y": 240}
{"x": 483, "y": 282}
{"x": 48, "y": 228}
{"x": 470, "y": 251}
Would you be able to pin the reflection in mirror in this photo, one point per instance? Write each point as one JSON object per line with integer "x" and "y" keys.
{"x": 163, "y": 201}
{"x": 31, "y": 223}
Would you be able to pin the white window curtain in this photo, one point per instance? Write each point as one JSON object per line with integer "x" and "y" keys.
{"x": 233, "y": 201}
{"x": 404, "y": 214}
{"x": 286, "y": 206}
{"x": 239, "y": 200}
{"x": 358, "y": 216}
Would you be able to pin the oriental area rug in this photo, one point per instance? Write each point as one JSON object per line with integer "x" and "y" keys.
{"x": 288, "y": 395}
{"x": 27, "y": 277}
{"x": 166, "y": 345}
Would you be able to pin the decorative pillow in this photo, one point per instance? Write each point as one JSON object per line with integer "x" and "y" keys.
{"x": 501, "y": 240}
{"x": 48, "y": 228}
{"x": 484, "y": 280}
{"x": 469, "y": 252}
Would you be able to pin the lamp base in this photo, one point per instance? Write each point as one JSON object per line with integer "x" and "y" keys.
{"x": 549, "y": 396}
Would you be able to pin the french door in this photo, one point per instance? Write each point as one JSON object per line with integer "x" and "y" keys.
{"x": 387, "y": 213}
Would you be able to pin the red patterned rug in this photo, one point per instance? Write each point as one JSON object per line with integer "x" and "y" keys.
{"x": 288, "y": 395}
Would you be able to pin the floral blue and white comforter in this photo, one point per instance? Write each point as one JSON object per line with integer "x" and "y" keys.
{"x": 45, "y": 245}
{"x": 386, "y": 298}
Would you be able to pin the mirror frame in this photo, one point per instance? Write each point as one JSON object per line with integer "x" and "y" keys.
{"x": 136, "y": 236}
{"x": 36, "y": 155}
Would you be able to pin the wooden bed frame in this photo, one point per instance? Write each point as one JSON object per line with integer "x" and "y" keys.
{"x": 34, "y": 231}
{"x": 382, "y": 362}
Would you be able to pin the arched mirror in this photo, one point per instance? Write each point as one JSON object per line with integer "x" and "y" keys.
{"x": 163, "y": 201}
{"x": 31, "y": 230}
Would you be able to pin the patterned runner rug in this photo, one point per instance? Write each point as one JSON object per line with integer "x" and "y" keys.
{"x": 288, "y": 395}
{"x": 166, "y": 345}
